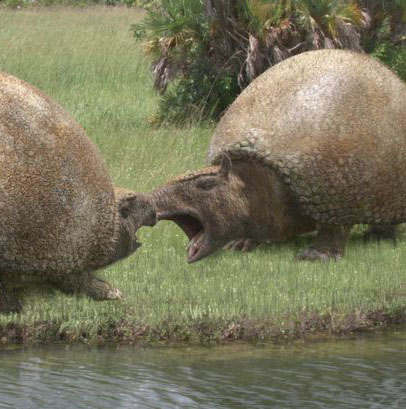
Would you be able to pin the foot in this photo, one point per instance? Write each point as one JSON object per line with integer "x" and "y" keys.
{"x": 92, "y": 286}
{"x": 101, "y": 290}
{"x": 314, "y": 254}
{"x": 381, "y": 232}
{"x": 330, "y": 244}
{"x": 241, "y": 245}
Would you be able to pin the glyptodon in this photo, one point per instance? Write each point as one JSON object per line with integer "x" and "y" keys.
{"x": 60, "y": 216}
{"x": 316, "y": 143}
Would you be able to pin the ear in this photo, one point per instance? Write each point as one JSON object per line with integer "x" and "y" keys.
{"x": 126, "y": 201}
{"x": 225, "y": 166}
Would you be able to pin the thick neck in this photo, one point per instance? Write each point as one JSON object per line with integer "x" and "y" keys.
{"x": 160, "y": 198}
{"x": 275, "y": 214}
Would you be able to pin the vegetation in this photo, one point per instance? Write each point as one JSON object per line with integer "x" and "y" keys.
{"x": 87, "y": 60}
{"x": 207, "y": 51}
{"x": 148, "y": 4}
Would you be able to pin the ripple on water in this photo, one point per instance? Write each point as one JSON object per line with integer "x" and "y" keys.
{"x": 360, "y": 373}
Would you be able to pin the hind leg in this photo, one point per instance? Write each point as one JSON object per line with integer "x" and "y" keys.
{"x": 330, "y": 244}
{"x": 381, "y": 232}
{"x": 8, "y": 303}
{"x": 88, "y": 284}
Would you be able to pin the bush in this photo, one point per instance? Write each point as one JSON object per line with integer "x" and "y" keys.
{"x": 31, "y": 3}
{"x": 387, "y": 41}
{"x": 393, "y": 56}
{"x": 207, "y": 51}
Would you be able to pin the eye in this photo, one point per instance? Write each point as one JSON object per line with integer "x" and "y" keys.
{"x": 125, "y": 212}
{"x": 206, "y": 184}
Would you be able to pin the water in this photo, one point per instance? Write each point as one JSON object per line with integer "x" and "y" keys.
{"x": 358, "y": 373}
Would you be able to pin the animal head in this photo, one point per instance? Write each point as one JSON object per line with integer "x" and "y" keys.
{"x": 134, "y": 211}
{"x": 211, "y": 206}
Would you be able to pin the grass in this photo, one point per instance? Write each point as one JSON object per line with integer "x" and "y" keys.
{"x": 87, "y": 60}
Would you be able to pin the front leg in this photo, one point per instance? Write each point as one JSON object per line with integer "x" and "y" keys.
{"x": 88, "y": 284}
{"x": 330, "y": 244}
{"x": 8, "y": 304}
{"x": 380, "y": 232}
{"x": 101, "y": 290}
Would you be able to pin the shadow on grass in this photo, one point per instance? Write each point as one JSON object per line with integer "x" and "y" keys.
{"x": 358, "y": 238}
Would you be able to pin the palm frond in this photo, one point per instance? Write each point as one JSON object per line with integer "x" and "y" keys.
{"x": 331, "y": 24}
{"x": 254, "y": 58}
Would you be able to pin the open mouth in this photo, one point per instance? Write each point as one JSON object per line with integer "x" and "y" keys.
{"x": 194, "y": 229}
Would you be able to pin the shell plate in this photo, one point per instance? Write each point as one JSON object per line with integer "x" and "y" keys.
{"x": 332, "y": 123}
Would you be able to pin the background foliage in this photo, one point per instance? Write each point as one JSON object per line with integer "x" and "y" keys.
{"x": 35, "y": 3}
{"x": 207, "y": 51}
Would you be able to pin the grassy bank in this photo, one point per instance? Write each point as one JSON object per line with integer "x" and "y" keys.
{"x": 87, "y": 60}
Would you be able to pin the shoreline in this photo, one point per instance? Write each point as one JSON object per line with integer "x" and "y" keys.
{"x": 309, "y": 327}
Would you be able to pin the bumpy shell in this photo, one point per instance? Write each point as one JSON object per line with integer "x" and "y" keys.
{"x": 56, "y": 197}
{"x": 333, "y": 124}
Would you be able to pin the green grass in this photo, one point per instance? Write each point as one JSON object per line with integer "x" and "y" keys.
{"x": 87, "y": 60}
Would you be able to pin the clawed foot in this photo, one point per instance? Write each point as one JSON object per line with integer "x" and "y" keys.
{"x": 92, "y": 286}
{"x": 101, "y": 290}
{"x": 314, "y": 254}
{"x": 241, "y": 245}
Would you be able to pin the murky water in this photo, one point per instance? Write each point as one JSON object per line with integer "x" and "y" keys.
{"x": 359, "y": 373}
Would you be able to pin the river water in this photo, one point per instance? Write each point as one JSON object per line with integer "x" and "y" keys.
{"x": 357, "y": 373}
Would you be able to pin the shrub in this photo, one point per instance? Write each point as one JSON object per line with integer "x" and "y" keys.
{"x": 25, "y": 3}
{"x": 206, "y": 51}
{"x": 387, "y": 38}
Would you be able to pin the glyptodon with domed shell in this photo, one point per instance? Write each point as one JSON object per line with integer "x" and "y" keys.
{"x": 316, "y": 143}
{"x": 60, "y": 216}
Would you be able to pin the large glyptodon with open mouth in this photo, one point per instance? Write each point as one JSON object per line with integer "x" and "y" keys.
{"x": 316, "y": 143}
